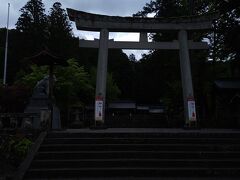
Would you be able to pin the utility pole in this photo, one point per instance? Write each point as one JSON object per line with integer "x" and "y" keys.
{"x": 6, "y": 50}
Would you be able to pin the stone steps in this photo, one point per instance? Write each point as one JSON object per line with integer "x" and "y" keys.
{"x": 136, "y": 147}
{"x": 117, "y": 140}
{"x": 133, "y": 172}
{"x": 136, "y": 163}
{"x": 137, "y": 155}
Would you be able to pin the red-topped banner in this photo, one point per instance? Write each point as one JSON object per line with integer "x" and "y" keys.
{"x": 191, "y": 109}
{"x": 99, "y": 98}
{"x": 99, "y": 108}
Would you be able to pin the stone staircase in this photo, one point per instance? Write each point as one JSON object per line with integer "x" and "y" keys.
{"x": 89, "y": 155}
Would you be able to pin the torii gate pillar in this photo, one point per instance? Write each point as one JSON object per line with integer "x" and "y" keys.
{"x": 101, "y": 77}
{"x": 188, "y": 96}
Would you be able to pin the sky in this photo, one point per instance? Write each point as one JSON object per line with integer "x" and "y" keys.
{"x": 106, "y": 7}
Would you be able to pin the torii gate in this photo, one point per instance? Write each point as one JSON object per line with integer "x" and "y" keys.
{"x": 106, "y": 24}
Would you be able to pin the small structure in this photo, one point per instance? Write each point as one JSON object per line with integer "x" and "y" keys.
{"x": 121, "y": 113}
{"x": 42, "y": 99}
{"x": 130, "y": 114}
{"x": 227, "y": 99}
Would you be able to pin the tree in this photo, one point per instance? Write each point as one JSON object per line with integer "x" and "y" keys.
{"x": 122, "y": 71}
{"x": 60, "y": 31}
{"x": 15, "y": 53}
{"x": 226, "y": 39}
{"x": 164, "y": 8}
{"x": 112, "y": 88}
{"x": 72, "y": 82}
{"x": 33, "y": 24}
{"x": 132, "y": 58}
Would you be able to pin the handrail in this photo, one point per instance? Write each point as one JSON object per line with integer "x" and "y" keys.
{"x": 22, "y": 169}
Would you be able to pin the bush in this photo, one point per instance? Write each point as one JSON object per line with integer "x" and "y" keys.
{"x": 14, "y": 98}
{"x": 14, "y": 148}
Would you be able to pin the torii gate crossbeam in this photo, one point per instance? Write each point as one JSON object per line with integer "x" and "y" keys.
{"x": 142, "y": 45}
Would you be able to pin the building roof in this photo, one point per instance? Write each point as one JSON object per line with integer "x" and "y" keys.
{"x": 228, "y": 84}
{"x": 122, "y": 105}
{"x": 47, "y": 58}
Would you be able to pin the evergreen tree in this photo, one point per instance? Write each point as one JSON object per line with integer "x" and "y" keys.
{"x": 60, "y": 31}
{"x": 122, "y": 72}
{"x": 164, "y": 8}
{"x": 226, "y": 39}
{"x": 32, "y": 23}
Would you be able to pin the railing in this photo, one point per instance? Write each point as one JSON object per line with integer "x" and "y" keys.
{"x": 17, "y": 120}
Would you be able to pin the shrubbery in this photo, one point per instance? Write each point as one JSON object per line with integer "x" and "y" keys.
{"x": 14, "y": 148}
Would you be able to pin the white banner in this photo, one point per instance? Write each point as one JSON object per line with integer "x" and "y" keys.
{"x": 191, "y": 110}
{"x": 98, "y": 110}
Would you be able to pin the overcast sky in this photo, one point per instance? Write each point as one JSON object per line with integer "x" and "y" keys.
{"x": 107, "y": 7}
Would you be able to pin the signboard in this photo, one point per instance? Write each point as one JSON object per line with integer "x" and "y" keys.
{"x": 99, "y": 109}
{"x": 191, "y": 109}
